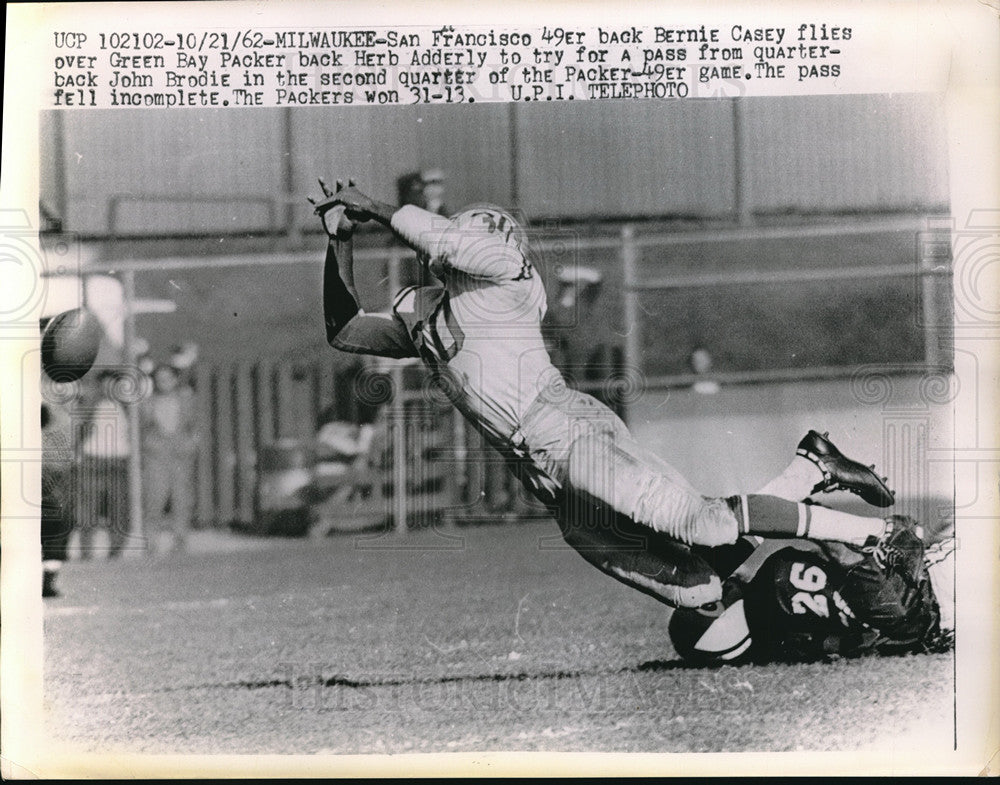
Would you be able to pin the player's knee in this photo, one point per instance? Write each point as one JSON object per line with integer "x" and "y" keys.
{"x": 605, "y": 470}
{"x": 715, "y": 524}
{"x": 592, "y": 464}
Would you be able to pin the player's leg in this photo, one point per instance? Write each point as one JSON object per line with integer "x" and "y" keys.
{"x": 770, "y": 516}
{"x": 819, "y": 467}
{"x": 939, "y": 560}
{"x": 618, "y": 546}
{"x": 641, "y": 558}
{"x": 117, "y": 490}
{"x": 608, "y": 465}
{"x": 56, "y": 526}
{"x": 181, "y": 502}
{"x": 156, "y": 491}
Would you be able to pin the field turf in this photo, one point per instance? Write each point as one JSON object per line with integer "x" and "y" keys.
{"x": 474, "y": 639}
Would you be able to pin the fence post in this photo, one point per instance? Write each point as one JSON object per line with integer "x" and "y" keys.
{"x": 931, "y": 251}
{"x": 397, "y": 419}
{"x": 205, "y": 506}
{"x": 633, "y": 336}
{"x": 741, "y": 166}
{"x": 134, "y": 456}
{"x": 243, "y": 443}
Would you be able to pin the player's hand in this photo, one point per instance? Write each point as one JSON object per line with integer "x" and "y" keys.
{"x": 336, "y": 222}
{"x": 359, "y": 206}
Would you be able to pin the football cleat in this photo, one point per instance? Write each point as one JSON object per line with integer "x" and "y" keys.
{"x": 842, "y": 473}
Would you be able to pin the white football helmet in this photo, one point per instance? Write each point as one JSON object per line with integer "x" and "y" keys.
{"x": 491, "y": 218}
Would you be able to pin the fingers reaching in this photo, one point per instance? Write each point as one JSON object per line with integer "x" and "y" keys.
{"x": 330, "y": 197}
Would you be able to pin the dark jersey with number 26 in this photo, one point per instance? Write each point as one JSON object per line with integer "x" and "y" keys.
{"x": 805, "y": 599}
{"x": 840, "y": 599}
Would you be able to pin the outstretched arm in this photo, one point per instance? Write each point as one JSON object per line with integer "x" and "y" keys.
{"x": 479, "y": 249}
{"x": 413, "y": 225}
{"x": 348, "y": 327}
{"x": 340, "y": 297}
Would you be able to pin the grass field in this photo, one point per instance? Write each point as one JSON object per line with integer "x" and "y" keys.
{"x": 476, "y": 639}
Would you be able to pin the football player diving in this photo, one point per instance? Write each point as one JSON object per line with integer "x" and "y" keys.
{"x": 478, "y": 330}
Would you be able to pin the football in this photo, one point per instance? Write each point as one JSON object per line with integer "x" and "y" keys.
{"x": 70, "y": 344}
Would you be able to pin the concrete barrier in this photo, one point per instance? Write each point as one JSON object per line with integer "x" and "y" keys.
{"x": 739, "y": 438}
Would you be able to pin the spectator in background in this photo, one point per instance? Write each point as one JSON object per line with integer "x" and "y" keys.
{"x": 146, "y": 364}
{"x": 169, "y": 438}
{"x": 425, "y": 189}
{"x": 410, "y": 188}
{"x": 56, "y": 518}
{"x": 102, "y": 487}
{"x": 143, "y": 360}
{"x": 182, "y": 358}
{"x": 701, "y": 364}
{"x": 432, "y": 191}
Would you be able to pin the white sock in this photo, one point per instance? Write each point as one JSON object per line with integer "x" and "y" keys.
{"x": 796, "y": 482}
{"x": 822, "y": 523}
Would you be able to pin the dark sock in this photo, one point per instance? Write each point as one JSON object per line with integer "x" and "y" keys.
{"x": 767, "y": 516}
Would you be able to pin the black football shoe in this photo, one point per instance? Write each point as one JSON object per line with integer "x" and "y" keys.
{"x": 842, "y": 473}
{"x": 49, "y": 584}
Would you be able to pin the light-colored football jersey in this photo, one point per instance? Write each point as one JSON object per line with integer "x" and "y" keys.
{"x": 482, "y": 328}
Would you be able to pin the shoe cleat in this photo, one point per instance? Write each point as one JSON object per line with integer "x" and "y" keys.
{"x": 843, "y": 473}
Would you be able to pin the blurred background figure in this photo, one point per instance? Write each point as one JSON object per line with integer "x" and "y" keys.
{"x": 425, "y": 189}
{"x": 432, "y": 191}
{"x": 102, "y": 484}
{"x": 182, "y": 359}
{"x": 410, "y": 188}
{"x": 701, "y": 364}
{"x": 576, "y": 290}
{"x": 56, "y": 515}
{"x": 143, "y": 359}
{"x": 169, "y": 438}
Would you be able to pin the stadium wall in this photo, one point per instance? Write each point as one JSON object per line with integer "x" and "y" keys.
{"x": 196, "y": 172}
{"x": 736, "y": 440}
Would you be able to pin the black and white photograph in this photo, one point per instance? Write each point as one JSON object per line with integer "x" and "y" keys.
{"x": 573, "y": 391}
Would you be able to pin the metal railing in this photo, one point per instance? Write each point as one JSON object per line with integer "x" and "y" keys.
{"x": 925, "y": 270}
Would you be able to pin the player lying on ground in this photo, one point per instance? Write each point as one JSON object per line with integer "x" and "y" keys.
{"x": 806, "y": 600}
{"x": 623, "y": 508}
